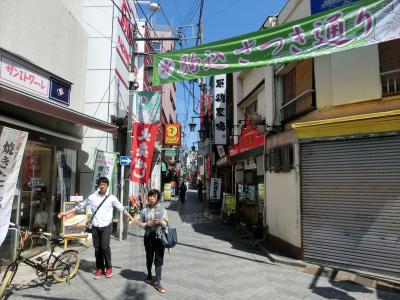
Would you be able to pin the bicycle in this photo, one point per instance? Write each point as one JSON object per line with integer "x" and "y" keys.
{"x": 33, "y": 240}
{"x": 62, "y": 267}
{"x": 211, "y": 208}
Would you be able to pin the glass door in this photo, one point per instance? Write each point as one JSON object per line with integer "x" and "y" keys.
{"x": 36, "y": 197}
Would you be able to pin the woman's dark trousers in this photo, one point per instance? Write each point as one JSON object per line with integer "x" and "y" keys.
{"x": 154, "y": 252}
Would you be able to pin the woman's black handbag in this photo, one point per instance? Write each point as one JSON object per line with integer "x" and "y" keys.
{"x": 168, "y": 237}
{"x": 89, "y": 225}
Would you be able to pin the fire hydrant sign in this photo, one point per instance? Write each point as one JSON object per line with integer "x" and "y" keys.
{"x": 143, "y": 140}
{"x": 12, "y": 146}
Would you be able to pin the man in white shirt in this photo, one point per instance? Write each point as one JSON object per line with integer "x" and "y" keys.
{"x": 102, "y": 224}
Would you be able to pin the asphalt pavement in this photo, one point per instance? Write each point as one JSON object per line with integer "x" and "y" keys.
{"x": 211, "y": 261}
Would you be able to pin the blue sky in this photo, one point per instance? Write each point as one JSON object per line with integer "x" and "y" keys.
{"x": 221, "y": 19}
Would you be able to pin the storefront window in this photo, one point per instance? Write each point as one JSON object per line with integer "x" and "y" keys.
{"x": 48, "y": 179}
{"x": 66, "y": 178}
{"x": 35, "y": 207}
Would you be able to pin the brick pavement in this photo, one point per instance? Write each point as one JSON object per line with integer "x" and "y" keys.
{"x": 210, "y": 262}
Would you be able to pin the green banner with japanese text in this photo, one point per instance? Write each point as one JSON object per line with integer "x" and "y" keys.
{"x": 364, "y": 23}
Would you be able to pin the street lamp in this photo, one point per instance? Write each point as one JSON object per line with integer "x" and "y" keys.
{"x": 192, "y": 125}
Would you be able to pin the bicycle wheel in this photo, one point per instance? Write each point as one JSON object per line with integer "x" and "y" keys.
{"x": 7, "y": 278}
{"x": 66, "y": 265}
{"x": 206, "y": 211}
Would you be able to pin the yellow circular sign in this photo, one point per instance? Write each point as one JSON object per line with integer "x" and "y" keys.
{"x": 172, "y": 131}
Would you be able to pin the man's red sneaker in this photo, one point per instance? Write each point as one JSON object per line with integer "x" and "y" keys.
{"x": 98, "y": 274}
{"x": 109, "y": 273}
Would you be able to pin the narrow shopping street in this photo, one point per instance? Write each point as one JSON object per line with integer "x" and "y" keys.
{"x": 211, "y": 261}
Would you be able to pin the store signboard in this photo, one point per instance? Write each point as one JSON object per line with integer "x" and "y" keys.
{"x": 221, "y": 151}
{"x": 74, "y": 224}
{"x": 169, "y": 151}
{"x": 215, "y": 188}
{"x": 204, "y": 147}
{"x": 12, "y": 146}
{"x": 220, "y": 109}
{"x": 172, "y": 134}
{"x": 318, "y": 6}
{"x": 22, "y": 77}
{"x": 59, "y": 91}
{"x": 248, "y": 139}
{"x": 103, "y": 167}
{"x": 167, "y": 191}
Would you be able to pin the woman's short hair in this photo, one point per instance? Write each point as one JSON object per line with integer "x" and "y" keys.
{"x": 153, "y": 192}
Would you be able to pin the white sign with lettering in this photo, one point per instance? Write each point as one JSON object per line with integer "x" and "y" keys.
{"x": 12, "y": 146}
{"x": 220, "y": 109}
{"x": 18, "y": 75}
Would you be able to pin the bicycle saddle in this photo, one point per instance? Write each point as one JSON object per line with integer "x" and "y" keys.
{"x": 57, "y": 239}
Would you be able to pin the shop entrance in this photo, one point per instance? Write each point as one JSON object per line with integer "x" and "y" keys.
{"x": 36, "y": 185}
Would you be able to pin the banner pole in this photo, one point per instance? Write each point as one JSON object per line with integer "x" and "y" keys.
{"x": 121, "y": 215}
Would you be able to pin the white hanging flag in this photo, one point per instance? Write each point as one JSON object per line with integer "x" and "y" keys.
{"x": 12, "y": 146}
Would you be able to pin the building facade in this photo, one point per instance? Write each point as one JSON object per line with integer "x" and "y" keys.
{"x": 331, "y": 173}
{"x": 42, "y": 90}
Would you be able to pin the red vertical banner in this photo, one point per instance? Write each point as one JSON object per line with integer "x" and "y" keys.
{"x": 202, "y": 108}
{"x": 209, "y": 111}
{"x": 209, "y": 168}
{"x": 143, "y": 141}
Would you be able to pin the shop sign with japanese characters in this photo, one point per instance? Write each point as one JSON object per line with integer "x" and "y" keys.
{"x": 103, "y": 167}
{"x": 249, "y": 139}
{"x": 215, "y": 189}
{"x": 172, "y": 134}
{"x": 204, "y": 147}
{"x": 23, "y": 77}
{"x": 148, "y": 105}
{"x": 364, "y": 23}
{"x": 221, "y": 151}
{"x": 143, "y": 140}
{"x": 318, "y": 6}
{"x": 220, "y": 109}
{"x": 12, "y": 146}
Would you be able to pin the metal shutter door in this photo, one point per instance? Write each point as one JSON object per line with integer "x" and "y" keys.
{"x": 350, "y": 191}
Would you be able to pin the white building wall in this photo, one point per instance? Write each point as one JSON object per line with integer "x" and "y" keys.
{"x": 282, "y": 190}
{"x": 269, "y": 95}
{"x": 294, "y": 10}
{"x": 283, "y": 206}
{"x": 47, "y": 35}
{"x": 341, "y": 78}
{"x": 250, "y": 79}
{"x": 106, "y": 94}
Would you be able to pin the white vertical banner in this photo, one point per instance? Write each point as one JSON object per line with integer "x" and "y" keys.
{"x": 220, "y": 109}
{"x": 12, "y": 146}
{"x": 103, "y": 167}
{"x": 215, "y": 188}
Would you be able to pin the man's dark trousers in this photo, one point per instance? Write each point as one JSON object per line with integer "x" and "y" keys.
{"x": 101, "y": 243}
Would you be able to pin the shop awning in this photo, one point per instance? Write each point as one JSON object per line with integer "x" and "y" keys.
{"x": 385, "y": 121}
{"x": 33, "y": 103}
{"x": 252, "y": 153}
